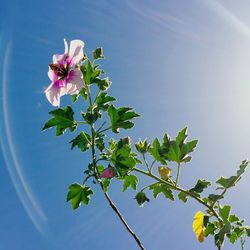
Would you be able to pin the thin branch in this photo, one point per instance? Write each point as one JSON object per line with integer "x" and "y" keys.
{"x": 97, "y": 131}
{"x": 112, "y": 205}
{"x": 151, "y": 166}
{"x": 104, "y": 130}
{"x": 182, "y": 190}
{"x": 146, "y": 163}
{"x": 81, "y": 122}
{"x": 178, "y": 174}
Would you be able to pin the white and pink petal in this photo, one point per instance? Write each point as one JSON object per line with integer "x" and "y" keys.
{"x": 53, "y": 94}
{"x": 75, "y": 83}
{"x": 76, "y": 51}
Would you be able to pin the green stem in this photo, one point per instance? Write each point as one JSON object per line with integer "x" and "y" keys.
{"x": 149, "y": 186}
{"x": 85, "y": 180}
{"x": 224, "y": 191}
{"x": 81, "y": 122}
{"x": 86, "y": 138}
{"x": 175, "y": 187}
{"x": 100, "y": 159}
{"x": 94, "y": 161}
{"x": 112, "y": 205}
{"x": 99, "y": 132}
{"x": 151, "y": 166}
{"x": 242, "y": 242}
{"x": 178, "y": 174}
{"x": 146, "y": 163}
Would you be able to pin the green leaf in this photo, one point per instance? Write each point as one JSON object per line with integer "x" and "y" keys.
{"x": 224, "y": 212}
{"x": 233, "y": 237}
{"x": 210, "y": 229}
{"x": 179, "y": 149}
{"x": 100, "y": 141}
{"x": 83, "y": 93}
{"x": 174, "y": 153}
{"x": 232, "y": 180}
{"x": 105, "y": 184}
{"x": 183, "y": 197}
{"x": 239, "y": 231}
{"x": 219, "y": 238}
{"x": 62, "y": 119}
{"x": 141, "y": 198}
{"x": 79, "y": 194}
{"x": 155, "y": 149}
{"x": 88, "y": 71}
{"x": 91, "y": 116}
{"x": 233, "y": 218}
{"x": 188, "y": 147}
{"x": 100, "y": 169}
{"x": 82, "y": 141}
{"x": 215, "y": 197}
{"x": 103, "y": 84}
{"x": 123, "y": 158}
{"x": 200, "y": 186}
{"x": 130, "y": 181}
{"x": 120, "y": 118}
{"x": 187, "y": 159}
{"x": 74, "y": 98}
{"x": 181, "y": 137}
{"x": 248, "y": 231}
{"x": 98, "y": 53}
{"x": 162, "y": 188}
{"x": 103, "y": 101}
{"x": 91, "y": 73}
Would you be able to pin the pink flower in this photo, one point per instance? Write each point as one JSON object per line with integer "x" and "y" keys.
{"x": 108, "y": 173}
{"x": 65, "y": 76}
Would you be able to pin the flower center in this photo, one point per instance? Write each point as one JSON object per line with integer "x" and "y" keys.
{"x": 60, "y": 70}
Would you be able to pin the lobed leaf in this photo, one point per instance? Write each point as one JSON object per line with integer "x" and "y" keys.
{"x": 105, "y": 184}
{"x": 82, "y": 141}
{"x": 183, "y": 197}
{"x": 215, "y": 197}
{"x": 123, "y": 158}
{"x": 78, "y": 194}
{"x": 162, "y": 188}
{"x": 155, "y": 150}
{"x": 62, "y": 119}
{"x": 100, "y": 141}
{"x": 121, "y": 118}
{"x": 224, "y": 212}
{"x": 200, "y": 186}
{"x": 210, "y": 229}
{"x": 173, "y": 150}
{"x": 103, "y": 101}
{"x": 130, "y": 181}
{"x": 232, "y": 180}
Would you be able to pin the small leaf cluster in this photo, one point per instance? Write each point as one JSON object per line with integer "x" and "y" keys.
{"x": 177, "y": 150}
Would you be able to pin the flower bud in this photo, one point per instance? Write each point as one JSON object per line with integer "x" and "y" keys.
{"x": 108, "y": 173}
{"x": 142, "y": 146}
{"x": 127, "y": 140}
{"x": 164, "y": 172}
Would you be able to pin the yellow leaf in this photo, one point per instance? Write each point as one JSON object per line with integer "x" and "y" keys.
{"x": 164, "y": 172}
{"x": 198, "y": 226}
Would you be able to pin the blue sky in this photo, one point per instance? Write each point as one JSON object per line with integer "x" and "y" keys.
{"x": 178, "y": 63}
